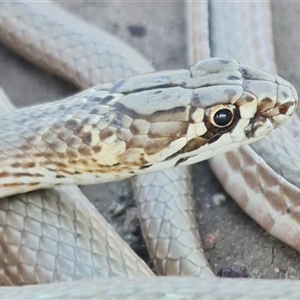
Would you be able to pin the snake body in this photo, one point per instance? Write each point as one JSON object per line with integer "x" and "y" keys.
{"x": 275, "y": 109}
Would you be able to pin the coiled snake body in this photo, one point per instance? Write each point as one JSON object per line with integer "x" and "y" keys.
{"x": 122, "y": 139}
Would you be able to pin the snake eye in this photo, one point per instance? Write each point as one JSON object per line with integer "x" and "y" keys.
{"x": 223, "y": 117}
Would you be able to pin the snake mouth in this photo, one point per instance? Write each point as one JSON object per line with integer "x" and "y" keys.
{"x": 264, "y": 122}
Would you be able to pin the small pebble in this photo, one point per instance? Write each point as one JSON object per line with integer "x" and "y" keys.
{"x": 218, "y": 199}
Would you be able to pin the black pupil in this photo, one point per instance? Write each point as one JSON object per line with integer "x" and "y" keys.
{"x": 223, "y": 117}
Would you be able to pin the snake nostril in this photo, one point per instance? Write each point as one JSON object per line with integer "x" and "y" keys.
{"x": 283, "y": 109}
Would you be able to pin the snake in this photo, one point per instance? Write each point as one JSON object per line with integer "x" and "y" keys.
{"x": 124, "y": 98}
{"x": 144, "y": 123}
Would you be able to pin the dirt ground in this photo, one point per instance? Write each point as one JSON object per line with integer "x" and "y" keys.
{"x": 158, "y": 31}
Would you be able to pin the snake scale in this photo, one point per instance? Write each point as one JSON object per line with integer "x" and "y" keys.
{"x": 285, "y": 109}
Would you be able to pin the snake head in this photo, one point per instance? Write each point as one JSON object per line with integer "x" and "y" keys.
{"x": 161, "y": 119}
{"x": 234, "y": 104}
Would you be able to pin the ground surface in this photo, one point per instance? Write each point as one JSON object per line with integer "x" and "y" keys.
{"x": 158, "y": 31}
